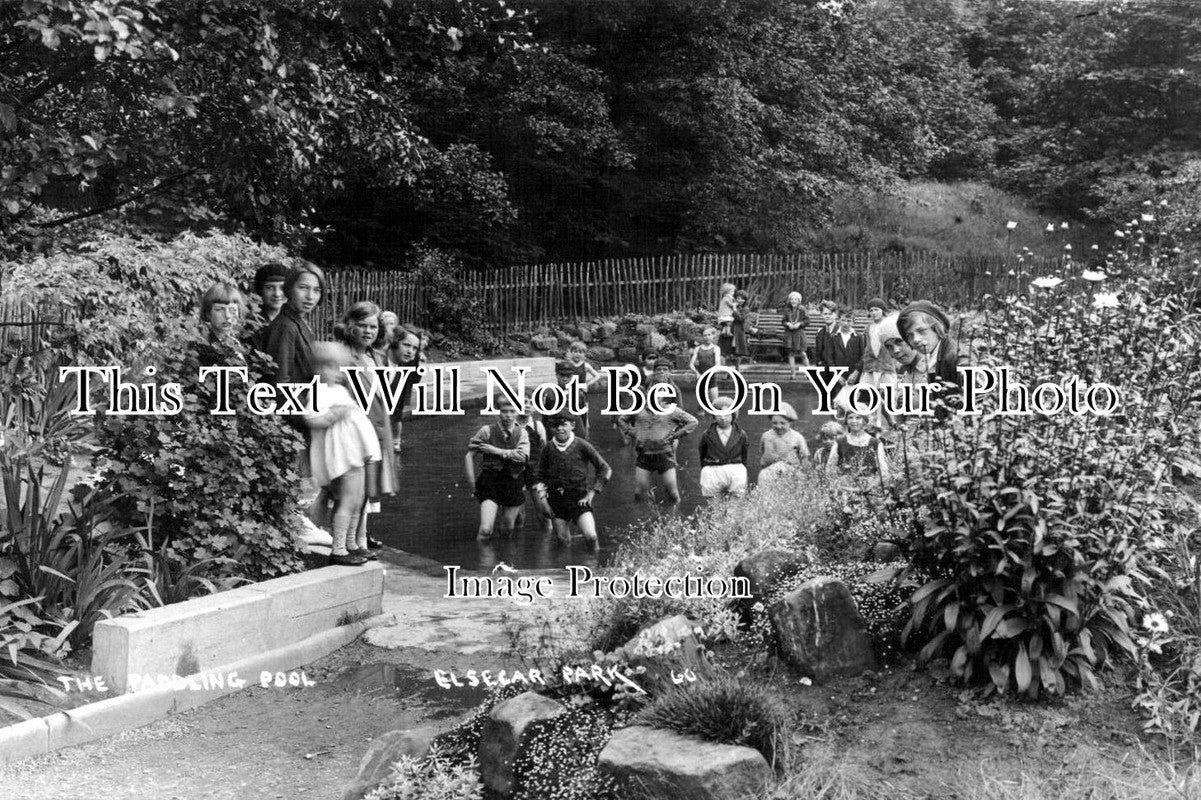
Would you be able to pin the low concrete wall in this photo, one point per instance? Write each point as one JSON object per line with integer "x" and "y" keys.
{"x": 208, "y": 633}
{"x": 473, "y": 381}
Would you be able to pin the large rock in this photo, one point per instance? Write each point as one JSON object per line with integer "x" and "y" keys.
{"x": 886, "y": 552}
{"x": 688, "y": 331}
{"x": 667, "y": 651}
{"x": 820, "y": 631}
{"x": 501, "y": 737}
{"x": 381, "y": 754}
{"x": 646, "y": 762}
{"x": 628, "y": 354}
{"x": 520, "y": 349}
{"x": 587, "y": 332}
{"x": 600, "y": 353}
{"x": 768, "y": 570}
{"x": 654, "y": 341}
{"x": 544, "y": 342}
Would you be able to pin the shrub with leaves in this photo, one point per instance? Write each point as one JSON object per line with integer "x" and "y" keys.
{"x": 430, "y": 778}
{"x": 219, "y": 486}
{"x": 784, "y": 515}
{"x": 1031, "y": 526}
{"x": 1169, "y": 642}
{"x": 723, "y": 710}
{"x": 450, "y": 311}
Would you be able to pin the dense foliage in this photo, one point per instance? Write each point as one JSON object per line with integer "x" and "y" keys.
{"x": 1035, "y": 529}
{"x": 177, "y": 505}
{"x": 508, "y": 133}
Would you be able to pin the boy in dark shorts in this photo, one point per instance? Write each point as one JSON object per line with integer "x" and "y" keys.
{"x": 505, "y": 448}
{"x": 654, "y": 436}
{"x": 563, "y": 479}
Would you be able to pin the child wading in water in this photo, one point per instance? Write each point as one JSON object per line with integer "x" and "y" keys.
{"x": 723, "y": 454}
{"x": 655, "y": 437}
{"x": 858, "y": 453}
{"x": 343, "y": 444}
{"x": 783, "y": 448}
{"x": 563, "y": 479}
{"x": 826, "y": 437}
{"x": 587, "y": 375}
{"x": 505, "y": 448}
{"x": 538, "y": 436}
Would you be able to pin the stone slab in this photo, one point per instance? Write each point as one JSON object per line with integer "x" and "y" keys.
{"x": 203, "y": 634}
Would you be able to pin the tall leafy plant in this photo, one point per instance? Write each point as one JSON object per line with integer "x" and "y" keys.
{"x": 1033, "y": 528}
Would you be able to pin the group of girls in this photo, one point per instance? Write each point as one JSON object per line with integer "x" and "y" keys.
{"x": 350, "y": 454}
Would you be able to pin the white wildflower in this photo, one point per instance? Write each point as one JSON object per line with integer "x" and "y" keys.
{"x": 1047, "y": 282}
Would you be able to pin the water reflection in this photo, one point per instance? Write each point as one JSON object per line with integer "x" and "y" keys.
{"x": 435, "y": 515}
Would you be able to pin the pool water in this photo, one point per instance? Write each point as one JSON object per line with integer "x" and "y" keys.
{"x": 436, "y": 517}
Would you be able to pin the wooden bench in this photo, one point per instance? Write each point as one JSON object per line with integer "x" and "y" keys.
{"x": 768, "y": 338}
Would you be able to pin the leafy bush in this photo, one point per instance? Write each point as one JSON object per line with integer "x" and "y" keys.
{"x": 28, "y": 655}
{"x": 1169, "y": 679}
{"x": 430, "y": 778}
{"x": 223, "y": 486}
{"x": 1031, "y": 526}
{"x": 450, "y": 311}
{"x": 722, "y": 710}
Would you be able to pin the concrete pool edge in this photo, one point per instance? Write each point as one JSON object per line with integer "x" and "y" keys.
{"x": 42, "y": 735}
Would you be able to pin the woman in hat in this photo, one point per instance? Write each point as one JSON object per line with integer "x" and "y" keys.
{"x": 927, "y": 328}
{"x": 783, "y": 448}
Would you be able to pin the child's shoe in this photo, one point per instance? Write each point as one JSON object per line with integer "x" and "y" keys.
{"x": 347, "y": 559}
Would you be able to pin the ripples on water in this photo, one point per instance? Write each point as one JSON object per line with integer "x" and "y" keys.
{"x": 436, "y": 517}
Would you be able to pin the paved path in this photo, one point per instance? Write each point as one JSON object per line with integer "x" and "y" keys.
{"x": 427, "y": 620}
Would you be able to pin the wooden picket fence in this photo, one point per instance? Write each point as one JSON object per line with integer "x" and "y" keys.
{"x": 522, "y": 297}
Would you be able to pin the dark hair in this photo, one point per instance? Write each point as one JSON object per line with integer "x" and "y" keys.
{"x": 220, "y": 293}
{"x": 354, "y": 315}
{"x": 269, "y": 273}
{"x": 300, "y": 269}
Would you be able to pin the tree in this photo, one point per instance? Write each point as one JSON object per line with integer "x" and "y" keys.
{"x": 253, "y": 107}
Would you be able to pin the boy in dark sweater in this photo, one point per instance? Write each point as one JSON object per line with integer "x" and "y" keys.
{"x": 563, "y": 479}
{"x": 723, "y": 454}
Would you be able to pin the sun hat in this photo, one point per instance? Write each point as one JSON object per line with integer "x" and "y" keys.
{"x": 888, "y": 330}
{"x": 877, "y": 302}
{"x": 787, "y": 412}
{"x": 924, "y": 307}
